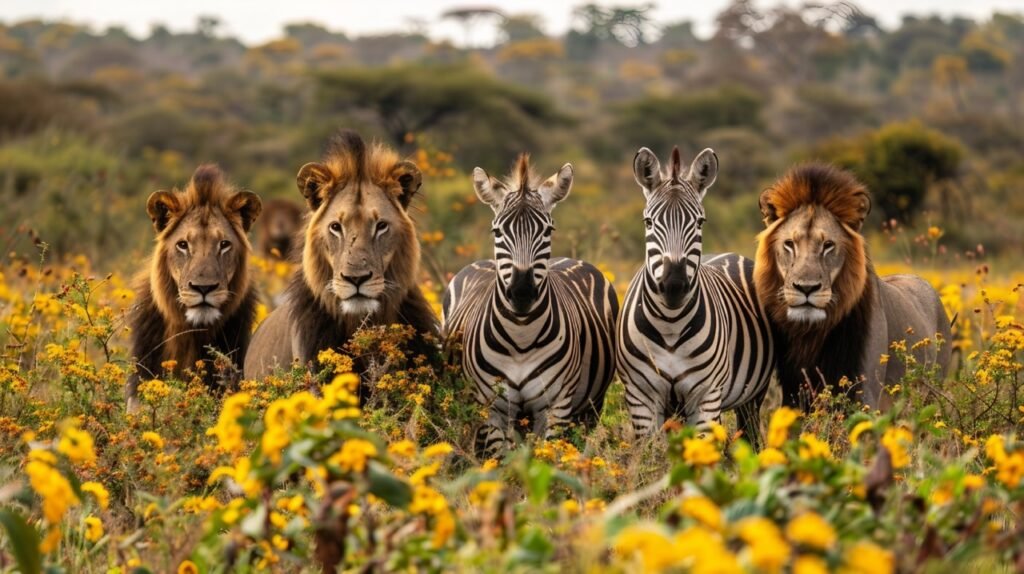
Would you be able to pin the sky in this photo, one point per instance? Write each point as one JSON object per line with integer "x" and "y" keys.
{"x": 256, "y": 21}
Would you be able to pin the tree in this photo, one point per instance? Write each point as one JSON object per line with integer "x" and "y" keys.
{"x": 457, "y": 104}
{"x": 899, "y": 163}
{"x": 594, "y": 25}
{"x": 469, "y": 16}
{"x": 520, "y": 27}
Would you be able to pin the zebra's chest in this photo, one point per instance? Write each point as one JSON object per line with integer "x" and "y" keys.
{"x": 525, "y": 364}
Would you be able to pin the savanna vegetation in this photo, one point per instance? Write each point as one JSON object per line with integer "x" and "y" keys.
{"x": 289, "y": 473}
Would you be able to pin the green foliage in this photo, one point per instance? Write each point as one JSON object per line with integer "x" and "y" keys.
{"x": 899, "y": 163}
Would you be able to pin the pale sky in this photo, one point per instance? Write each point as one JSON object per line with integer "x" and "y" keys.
{"x": 256, "y": 21}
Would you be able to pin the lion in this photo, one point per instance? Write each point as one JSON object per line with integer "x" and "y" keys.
{"x": 360, "y": 259}
{"x": 280, "y": 221}
{"x": 833, "y": 316}
{"x": 195, "y": 296}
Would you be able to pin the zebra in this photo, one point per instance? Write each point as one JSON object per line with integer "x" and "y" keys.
{"x": 693, "y": 340}
{"x": 537, "y": 332}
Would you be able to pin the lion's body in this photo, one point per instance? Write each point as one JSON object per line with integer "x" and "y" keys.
{"x": 195, "y": 296}
{"x": 360, "y": 259}
{"x": 833, "y": 316}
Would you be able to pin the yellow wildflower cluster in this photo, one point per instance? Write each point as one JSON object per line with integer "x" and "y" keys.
{"x": 1009, "y": 466}
{"x": 227, "y": 430}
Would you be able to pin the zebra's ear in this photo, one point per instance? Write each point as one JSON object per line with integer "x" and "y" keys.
{"x": 489, "y": 190}
{"x": 703, "y": 171}
{"x": 556, "y": 188}
{"x": 647, "y": 170}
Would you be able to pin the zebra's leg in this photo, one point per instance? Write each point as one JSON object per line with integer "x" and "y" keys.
{"x": 494, "y": 436}
{"x": 552, "y": 421}
{"x": 748, "y": 418}
{"x": 646, "y": 406}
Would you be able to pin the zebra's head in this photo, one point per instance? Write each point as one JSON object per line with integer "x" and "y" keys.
{"x": 522, "y": 228}
{"x": 673, "y": 219}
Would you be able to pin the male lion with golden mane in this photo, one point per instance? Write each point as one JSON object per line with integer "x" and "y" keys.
{"x": 360, "y": 259}
{"x": 195, "y": 295}
{"x": 834, "y": 317}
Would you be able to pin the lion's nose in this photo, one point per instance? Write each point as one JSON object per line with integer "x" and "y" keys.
{"x": 357, "y": 280}
{"x": 806, "y": 288}
{"x": 203, "y": 290}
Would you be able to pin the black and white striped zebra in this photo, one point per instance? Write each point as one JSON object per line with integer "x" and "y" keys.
{"x": 693, "y": 340}
{"x": 537, "y": 333}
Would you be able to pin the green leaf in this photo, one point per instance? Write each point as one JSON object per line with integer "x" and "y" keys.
{"x": 24, "y": 542}
{"x": 387, "y": 486}
{"x": 538, "y": 477}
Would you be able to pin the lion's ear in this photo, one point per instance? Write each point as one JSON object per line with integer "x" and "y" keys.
{"x": 863, "y": 210}
{"x": 161, "y": 207}
{"x": 409, "y": 179}
{"x": 489, "y": 190}
{"x": 248, "y": 207}
{"x": 314, "y": 182}
{"x": 647, "y": 170}
{"x": 768, "y": 211}
{"x": 703, "y": 170}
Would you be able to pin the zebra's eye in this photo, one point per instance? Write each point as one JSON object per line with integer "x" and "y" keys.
{"x": 549, "y": 229}
{"x": 700, "y": 222}
{"x": 182, "y": 246}
{"x": 828, "y": 246}
{"x": 335, "y": 228}
{"x": 497, "y": 233}
{"x": 648, "y": 223}
{"x": 382, "y": 228}
{"x": 225, "y": 246}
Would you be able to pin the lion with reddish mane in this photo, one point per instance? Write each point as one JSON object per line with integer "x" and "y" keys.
{"x": 195, "y": 296}
{"x": 834, "y": 317}
{"x": 360, "y": 259}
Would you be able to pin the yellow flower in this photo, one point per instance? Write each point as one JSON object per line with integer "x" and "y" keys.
{"x": 93, "y": 528}
{"x": 489, "y": 464}
{"x": 484, "y": 492}
{"x": 867, "y": 558}
{"x": 437, "y": 450}
{"x": 188, "y": 567}
{"x": 153, "y": 439}
{"x": 227, "y": 430}
{"x": 50, "y": 542}
{"x": 718, "y": 432}
{"x": 77, "y": 445}
{"x": 768, "y": 550}
{"x": 1010, "y": 471}
{"x": 895, "y": 440}
{"x": 811, "y": 530}
{"x": 154, "y": 390}
{"x": 858, "y": 430}
{"x": 653, "y": 548}
{"x": 809, "y": 564}
{"x": 402, "y": 448}
{"x": 99, "y": 492}
{"x": 934, "y": 232}
{"x": 700, "y": 452}
{"x": 973, "y": 482}
{"x": 353, "y": 455}
{"x": 811, "y": 447}
{"x": 52, "y": 487}
{"x": 778, "y": 427}
{"x": 701, "y": 509}
{"x": 771, "y": 457}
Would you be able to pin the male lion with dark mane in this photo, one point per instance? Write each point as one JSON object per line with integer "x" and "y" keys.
{"x": 360, "y": 259}
{"x": 195, "y": 295}
{"x": 833, "y": 315}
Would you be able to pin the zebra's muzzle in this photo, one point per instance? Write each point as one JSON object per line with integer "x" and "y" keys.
{"x": 673, "y": 284}
{"x": 522, "y": 290}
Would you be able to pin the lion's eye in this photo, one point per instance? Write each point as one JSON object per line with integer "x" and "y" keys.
{"x": 182, "y": 246}
{"x": 382, "y": 228}
{"x": 829, "y": 245}
{"x": 225, "y": 246}
{"x": 789, "y": 245}
{"x": 335, "y": 228}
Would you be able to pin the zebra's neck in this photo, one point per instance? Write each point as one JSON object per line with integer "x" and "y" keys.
{"x": 522, "y": 328}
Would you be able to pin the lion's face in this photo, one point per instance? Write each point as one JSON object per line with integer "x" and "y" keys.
{"x": 810, "y": 248}
{"x": 202, "y": 248}
{"x": 361, "y": 248}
